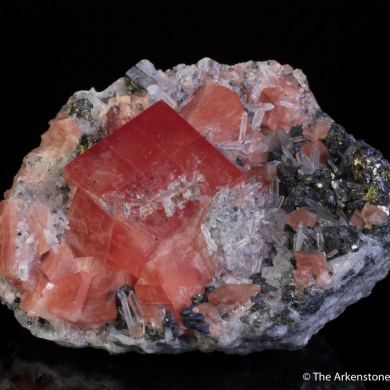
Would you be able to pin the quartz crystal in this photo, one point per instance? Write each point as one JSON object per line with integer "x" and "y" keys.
{"x": 208, "y": 207}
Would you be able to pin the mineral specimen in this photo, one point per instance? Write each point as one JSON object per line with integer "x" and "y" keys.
{"x": 207, "y": 207}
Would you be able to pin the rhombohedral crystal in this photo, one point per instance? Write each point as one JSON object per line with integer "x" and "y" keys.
{"x": 208, "y": 207}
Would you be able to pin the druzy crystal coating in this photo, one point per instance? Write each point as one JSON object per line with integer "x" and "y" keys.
{"x": 207, "y": 207}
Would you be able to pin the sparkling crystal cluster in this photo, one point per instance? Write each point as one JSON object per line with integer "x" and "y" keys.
{"x": 207, "y": 207}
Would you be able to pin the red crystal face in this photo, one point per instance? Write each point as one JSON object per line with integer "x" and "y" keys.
{"x": 215, "y": 111}
{"x": 135, "y": 218}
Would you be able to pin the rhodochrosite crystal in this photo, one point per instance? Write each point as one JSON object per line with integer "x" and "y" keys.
{"x": 207, "y": 207}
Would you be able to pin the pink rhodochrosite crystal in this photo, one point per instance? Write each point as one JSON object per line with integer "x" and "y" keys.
{"x": 207, "y": 207}
{"x": 369, "y": 215}
{"x": 215, "y": 111}
{"x": 301, "y": 216}
{"x": 313, "y": 264}
{"x": 128, "y": 174}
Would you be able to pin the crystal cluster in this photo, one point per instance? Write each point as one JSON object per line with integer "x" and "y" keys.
{"x": 207, "y": 207}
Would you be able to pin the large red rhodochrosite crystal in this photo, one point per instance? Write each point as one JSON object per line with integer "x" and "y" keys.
{"x": 134, "y": 219}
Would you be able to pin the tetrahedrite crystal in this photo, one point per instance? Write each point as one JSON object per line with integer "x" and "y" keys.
{"x": 208, "y": 207}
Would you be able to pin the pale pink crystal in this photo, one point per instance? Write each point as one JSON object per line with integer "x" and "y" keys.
{"x": 369, "y": 215}
{"x": 318, "y": 130}
{"x": 216, "y": 112}
{"x": 301, "y": 216}
{"x": 233, "y": 294}
{"x": 314, "y": 263}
